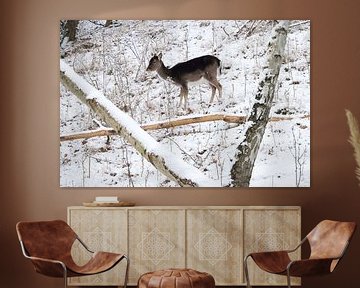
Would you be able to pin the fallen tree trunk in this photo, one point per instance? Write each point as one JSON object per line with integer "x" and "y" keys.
{"x": 170, "y": 124}
{"x": 159, "y": 156}
{"x": 88, "y": 134}
{"x": 195, "y": 119}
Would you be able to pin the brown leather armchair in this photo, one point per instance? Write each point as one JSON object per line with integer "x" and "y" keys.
{"x": 48, "y": 245}
{"x": 328, "y": 242}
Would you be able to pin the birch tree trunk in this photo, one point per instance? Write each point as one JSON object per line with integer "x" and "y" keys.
{"x": 159, "y": 156}
{"x": 71, "y": 28}
{"x": 248, "y": 149}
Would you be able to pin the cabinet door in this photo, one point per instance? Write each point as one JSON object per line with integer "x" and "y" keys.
{"x": 214, "y": 244}
{"x": 267, "y": 230}
{"x": 101, "y": 230}
{"x": 156, "y": 240}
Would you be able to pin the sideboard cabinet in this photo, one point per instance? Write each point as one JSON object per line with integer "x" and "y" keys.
{"x": 212, "y": 239}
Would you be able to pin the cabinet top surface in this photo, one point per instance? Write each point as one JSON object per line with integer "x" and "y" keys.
{"x": 192, "y": 207}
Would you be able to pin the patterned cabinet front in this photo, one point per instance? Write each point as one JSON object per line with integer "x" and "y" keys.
{"x": 101, "y": 230}
{"x": 270, "y": 229}
{"x": 214, "y": 242}
{"x": 208, "y": 239}
{"x": 156, "y": 240}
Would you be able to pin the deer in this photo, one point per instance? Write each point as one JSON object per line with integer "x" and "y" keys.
{"x": 204, "y": 67}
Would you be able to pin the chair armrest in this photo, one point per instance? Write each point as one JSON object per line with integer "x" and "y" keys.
{"x": 281, "y": 251}
{"x": 45, "y": 260}
{"x": 48, "y": 267}
{"x": 84, "y": 245}
{"x": 309, "y": 267}
{"x": 298, "y": 246}
{"x": 271, "y": 261}
{"x": 269, "y": 253}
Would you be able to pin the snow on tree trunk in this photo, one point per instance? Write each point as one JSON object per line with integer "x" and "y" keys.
{"x": 159, "y": 156}
{"x": 259, "y": 116}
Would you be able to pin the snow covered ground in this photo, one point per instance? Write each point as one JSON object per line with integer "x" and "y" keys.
{"x": 114, "y": 60}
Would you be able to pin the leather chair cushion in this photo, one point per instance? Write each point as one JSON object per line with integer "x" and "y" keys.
{"x": 176, "y": 278}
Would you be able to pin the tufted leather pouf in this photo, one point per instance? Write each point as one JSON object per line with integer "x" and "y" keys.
{"x": 176, "y": 278}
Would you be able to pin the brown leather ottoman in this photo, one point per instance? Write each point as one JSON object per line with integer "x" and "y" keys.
{"x": 176, "y": 278}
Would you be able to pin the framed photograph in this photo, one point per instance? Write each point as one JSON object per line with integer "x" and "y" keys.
{"x": 185, "y": 103}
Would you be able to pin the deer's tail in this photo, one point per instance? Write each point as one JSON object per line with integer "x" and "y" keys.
{"x": 219, "y": 65}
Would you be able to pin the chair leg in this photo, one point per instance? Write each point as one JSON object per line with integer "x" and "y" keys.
{"x": 288, "y": 278}
{"x": 65, "y": 275}
{"x": 246, "y": 272}
{"x": 126, "y": 271}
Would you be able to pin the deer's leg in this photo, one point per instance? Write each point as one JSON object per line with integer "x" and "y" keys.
{"x": 184, "y": 95}
{"x": 181, "y": 97}
{"x": 213, "y": 91}
{"x": 219, "y": 89}
{"x": 213, "y": 83}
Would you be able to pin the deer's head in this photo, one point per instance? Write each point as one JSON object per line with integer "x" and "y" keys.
{"x": 154, "y": 63}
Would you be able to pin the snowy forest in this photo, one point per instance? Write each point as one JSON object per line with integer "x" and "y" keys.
{"x": 122, "y": 126}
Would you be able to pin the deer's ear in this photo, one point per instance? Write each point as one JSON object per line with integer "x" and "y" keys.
{"x": 160, "y": 55}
